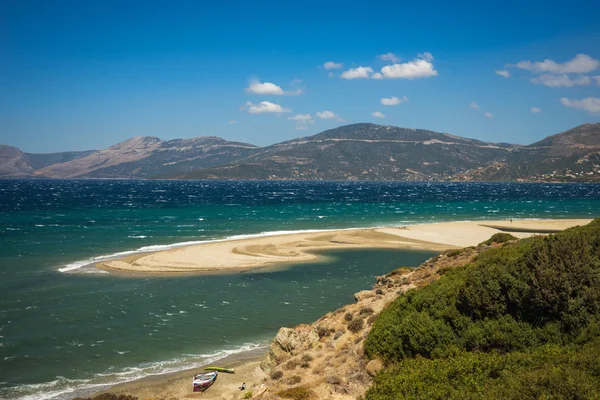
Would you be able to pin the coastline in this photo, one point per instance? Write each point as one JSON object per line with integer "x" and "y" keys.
{"x": 246, "y": 254}
{"x": 179, "y": 384}
{"x": 248, "y": 364}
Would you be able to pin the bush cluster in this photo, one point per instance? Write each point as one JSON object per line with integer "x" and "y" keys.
{"x": 276, "y": 375}
{"x": 500, "y": 237}
{"x": 297, "y": 393}
{"x": 355, "y": 325}
{"x": 506, "y": 326}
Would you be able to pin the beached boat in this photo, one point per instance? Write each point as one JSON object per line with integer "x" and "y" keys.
{"x": 204, "y": 381}
{"x": 219, "y": 369}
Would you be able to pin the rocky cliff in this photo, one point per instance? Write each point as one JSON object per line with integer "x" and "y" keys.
{"x": 326, "y": 359}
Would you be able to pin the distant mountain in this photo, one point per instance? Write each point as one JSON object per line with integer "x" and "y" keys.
{"x": 147, "y": 156}
{"x": 13, "y": 162}
{"x": 41, "y": 160}
{"x": 573, "y": 155}
{"x": 352, "y": 152}
{"x": 362, "y": 152}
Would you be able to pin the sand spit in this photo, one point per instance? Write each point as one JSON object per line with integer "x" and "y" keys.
{"x": 263, "y": 251}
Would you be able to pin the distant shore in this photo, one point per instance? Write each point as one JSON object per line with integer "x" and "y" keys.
{"x": 241, "y": 255}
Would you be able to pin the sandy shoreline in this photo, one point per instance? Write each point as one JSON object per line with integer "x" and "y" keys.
{"x": 258, "y": 252}
{"x": 178, "y": 385}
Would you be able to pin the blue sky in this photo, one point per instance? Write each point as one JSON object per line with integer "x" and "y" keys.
{"x": 78, "y": 75}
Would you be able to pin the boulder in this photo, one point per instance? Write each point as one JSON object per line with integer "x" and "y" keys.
{"x": 374, "y": 366}
{"x": 287, "y": 342}
{"x": 363, "y": 294}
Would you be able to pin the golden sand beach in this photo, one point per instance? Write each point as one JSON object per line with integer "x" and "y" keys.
{"x": 262, "y": 251}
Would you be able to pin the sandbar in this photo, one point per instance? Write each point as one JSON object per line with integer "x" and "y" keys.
{"x": 258, "y": 252}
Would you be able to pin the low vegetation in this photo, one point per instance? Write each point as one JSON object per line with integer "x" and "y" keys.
{"x": 108, "y": 396}
{"x": 520, "y": 322}
{"x": 276, "y": 375}
{"x": 297, "y": 393}
{"x": 355, "y": 325}
{"x": 501, "y": 237}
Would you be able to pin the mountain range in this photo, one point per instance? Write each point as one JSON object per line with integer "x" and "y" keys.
{"x": 352, "y": 152}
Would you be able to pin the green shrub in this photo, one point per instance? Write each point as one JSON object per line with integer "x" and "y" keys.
{"x": 501, "y": 237}
{"x": 543, "y": 289}
{"x": 366, "y": 311}
{"x": 290, "y": 365}
{"x": 355, "y": 325}
{"x": 348, "y": 317}
{"x": 307, "y": 358}
{"x": 452, "y": 253}
{"x": 247, "y": 395}
{"x": 521, "y": 321}
{"x": 276, "y": 375}
{"x": 293, "y": 380}
{"x": 297, "y": 393}
{"x": 334, "y": 380}
{"x": 548, "y": 372}
{"x": 323, "y": 332}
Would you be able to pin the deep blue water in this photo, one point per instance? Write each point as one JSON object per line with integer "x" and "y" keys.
{"x": 64, "y": 327}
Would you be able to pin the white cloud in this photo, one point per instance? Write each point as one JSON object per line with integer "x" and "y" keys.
{"x": 332, "y": 65}
{"x": 378, "y": 114}
{"x": 561, "y": 80}
{"x": 488, "y": 114}
{"x": 581, "y": 64}
{"x": 425, "y": 56}
{"x": 418, "y": 68}
{"x": 393, "y": 101}
{"x": 590, "y": 104}
{"x": 356, "y": 73}
{"x": 329, "y": 115}
{"x": 264, "y": 107}
{"x": 377, "y": 75}
{"x": 389, "y": 57}
{"x": 257, "y": 87}
{"x": 502, "y": 72}
{"x": 232, "y": 122}
{"x": 268, "y": 88}
{"x": 535, "y": 110}
{"x": 474, "y": 105}
{"x": 597, "y": 79}
{"x": 302, "y": 120}
{"x": 300, "y": 117}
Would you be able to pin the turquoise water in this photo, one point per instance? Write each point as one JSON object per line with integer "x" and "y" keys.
{"x": 65, "y": 328}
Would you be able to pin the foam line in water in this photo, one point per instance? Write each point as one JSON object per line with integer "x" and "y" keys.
{"x": 64, "y": 388}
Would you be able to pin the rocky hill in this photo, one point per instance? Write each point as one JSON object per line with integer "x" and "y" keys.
{"x": 572, "y": 156}
{"x": 352, "y": 152}
{"x": 363, "y": 152}
{"x": 139, "y": 157}
{"x": 15, "y": 163}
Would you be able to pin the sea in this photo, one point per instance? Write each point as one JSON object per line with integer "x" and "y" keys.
{"x": 68, "y": 329}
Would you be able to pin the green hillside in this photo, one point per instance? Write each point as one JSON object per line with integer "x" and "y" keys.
{"x": 521, "y": 322}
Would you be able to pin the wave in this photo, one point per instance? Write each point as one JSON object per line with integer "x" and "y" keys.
{"x": 65, "y": 388}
